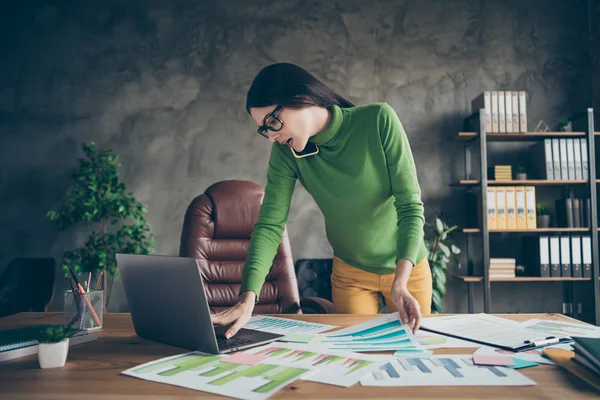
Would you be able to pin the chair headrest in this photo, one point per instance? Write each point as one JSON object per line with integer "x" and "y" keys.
{"x": 236, "y": 206}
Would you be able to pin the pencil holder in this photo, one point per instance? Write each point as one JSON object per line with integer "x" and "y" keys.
{"x": 84, "y": 310}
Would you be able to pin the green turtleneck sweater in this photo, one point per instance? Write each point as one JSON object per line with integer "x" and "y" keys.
{"x": 365, "y": 183}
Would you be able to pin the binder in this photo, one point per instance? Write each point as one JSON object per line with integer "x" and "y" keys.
{"x": 570, "y": 159}
{"x": 484, "y": 101}
{"x": 511, "y": 215}
{"x": 586, "y": 256}
{"x": 522, "y": 111}
{"x": 508, "y": 111}
{"x": 576, "y": 256}
{"x": 584, "y": 159}
{"x": 535, "y": 255}
{"x": 564, "y": 212}
{"x": 556, "y": 159}
{"x": 530, "y": 207}
{"x": 494, "y": 101}
{"x": 554, "y": 257}
{"x": 491, "y": 208}
{"x": 565, "y": 257}
{"x": 500, "y": 208}
{"x": 576, "y": 213}
{"x": 515, "y": 111}
{"x": 577, "y": 158}
{"x": 564, "y": 166}
{"x": 501, "y": 112}
{"x": 521, "y": 212}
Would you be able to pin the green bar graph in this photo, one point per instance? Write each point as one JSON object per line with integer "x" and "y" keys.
{"x": 283, "y": 376}
{"x": 306, "y": 354}
{"x": 251, "y": 372}
{"x": 187, "y": 365}
{"x": 278, "y": 352}
{"x": 178, "y": 362}
{"x": 220, "y": 368}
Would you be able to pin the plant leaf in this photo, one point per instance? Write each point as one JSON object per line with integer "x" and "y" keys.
{"x": 455, "y": 249}
{"x": 444, "y": 249}
{"x": 439, "y": 226}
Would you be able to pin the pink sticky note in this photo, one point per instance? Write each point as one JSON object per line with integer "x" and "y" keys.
{"x": 243, "y": 359}
{"x": 493, "y": 360}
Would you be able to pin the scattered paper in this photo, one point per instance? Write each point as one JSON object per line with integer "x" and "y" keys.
{"x": 519, "y": 363}
{"x": 208, "y": 373}
{"x": 561, "y": 329}
{"x": 298, "y": 338}
{"x": 243, "y": 359}
{"x": 285, "y": 326}
{"x": 430, "y": 341}
{"x": 447, "y": 370}
{"x": 410, "y": 353}
{"x": 330, "y": 367}
{"x": 532, "y": 355}
{"x": 501, "y": 361}
{"x": 482, "y": 328}
{"x": 380, "y": 334}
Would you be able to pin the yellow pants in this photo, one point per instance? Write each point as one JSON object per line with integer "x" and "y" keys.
{"x": 355, "y": 291}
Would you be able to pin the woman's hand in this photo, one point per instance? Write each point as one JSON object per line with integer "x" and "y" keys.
{"x": 408, "y": 307}
{"x": 238, "y": 314}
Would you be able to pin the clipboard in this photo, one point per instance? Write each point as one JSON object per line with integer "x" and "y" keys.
{"x": 502, "y": 333}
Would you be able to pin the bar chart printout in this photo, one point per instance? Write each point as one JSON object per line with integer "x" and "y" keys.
{"x": 443, "y": 371}
{"x": 330, "y": 367}
{"x": 284, "y": 326}
{"x": 208, "y": 374}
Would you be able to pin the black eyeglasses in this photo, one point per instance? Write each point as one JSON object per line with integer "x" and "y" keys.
{"x": 271, "y": 122}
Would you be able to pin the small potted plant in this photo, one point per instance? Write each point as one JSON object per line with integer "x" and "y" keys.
{"x": 521, "y": 173}
{"x": 565, "y": 125}
{"x": 543, "y": 216}
{"x": 54, "y": 345}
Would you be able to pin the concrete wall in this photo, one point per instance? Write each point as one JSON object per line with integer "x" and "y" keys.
{"x": 164, "y": 86}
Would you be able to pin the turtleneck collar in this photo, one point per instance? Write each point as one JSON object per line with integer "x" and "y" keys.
{"x": 331, "y": 130}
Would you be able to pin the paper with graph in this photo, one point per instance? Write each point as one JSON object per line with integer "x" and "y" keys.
{"x": 285, "y": 326}
{"x": 379, "y": 334}
{"x": 208, "y": 374}
{"x": 330, "y": 367}
{"x": 443, "y": 371}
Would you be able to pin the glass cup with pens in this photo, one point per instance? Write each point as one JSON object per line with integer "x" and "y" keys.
{"x": 83, "y": 306}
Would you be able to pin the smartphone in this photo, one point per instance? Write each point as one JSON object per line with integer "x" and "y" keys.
{"x": 310, "y": 150}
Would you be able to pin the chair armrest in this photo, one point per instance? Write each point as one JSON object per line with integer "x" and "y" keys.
{"x": 318, "y": 304}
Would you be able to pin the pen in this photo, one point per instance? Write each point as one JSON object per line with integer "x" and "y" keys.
{"x": 87, "y": 301}
{"x": 89, "y": 281}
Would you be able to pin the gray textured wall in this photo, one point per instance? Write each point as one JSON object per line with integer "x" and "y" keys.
{"x": 164, "y": 86}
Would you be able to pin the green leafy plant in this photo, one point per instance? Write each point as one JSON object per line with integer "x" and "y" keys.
{"x": 521, "y": 170}
{"x": 542, "y": 209}
{"x": 54, "y": 334}
{"x": 563, "y": 122}
{"x": 98, "y": 198}
{"x": 441, "y": 253}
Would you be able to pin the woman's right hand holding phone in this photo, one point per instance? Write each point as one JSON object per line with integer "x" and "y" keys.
{"x": 238, "y": 315}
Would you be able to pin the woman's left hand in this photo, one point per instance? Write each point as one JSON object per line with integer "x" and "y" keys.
{"x": 408, "y": 307}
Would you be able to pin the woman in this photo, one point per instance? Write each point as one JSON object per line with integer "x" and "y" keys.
{"x": 356, "y": 163}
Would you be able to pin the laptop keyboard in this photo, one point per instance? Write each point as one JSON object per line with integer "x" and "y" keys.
{"x": 235, "y": 341}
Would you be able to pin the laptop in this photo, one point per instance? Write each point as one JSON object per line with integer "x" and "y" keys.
{"x": 168, "y": 305}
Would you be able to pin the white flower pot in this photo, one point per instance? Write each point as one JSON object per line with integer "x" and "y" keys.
{"x": 53, "y": 355}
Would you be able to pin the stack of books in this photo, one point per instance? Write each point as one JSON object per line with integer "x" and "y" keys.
{"x": 587, "y": 353}
{"x": 502, "y": 267}
{"x": 502, "y": 172}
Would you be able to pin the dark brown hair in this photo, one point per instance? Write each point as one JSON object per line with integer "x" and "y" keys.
{"x": 289, "y": 85}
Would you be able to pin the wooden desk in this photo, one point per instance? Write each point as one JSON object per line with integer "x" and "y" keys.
{"x": 93, "y": 370}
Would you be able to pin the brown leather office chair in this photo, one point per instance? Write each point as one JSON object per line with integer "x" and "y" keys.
{"x": 216, "y": 231}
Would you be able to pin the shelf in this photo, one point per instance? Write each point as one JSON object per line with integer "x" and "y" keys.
{"x": 519, "y": 279}
{"x": 538, "y": 230}
{"x": 528, "y": 182}
{"x": 527, "y": 136}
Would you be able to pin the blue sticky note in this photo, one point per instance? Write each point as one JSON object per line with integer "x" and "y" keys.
{"x": 520, "y": 363}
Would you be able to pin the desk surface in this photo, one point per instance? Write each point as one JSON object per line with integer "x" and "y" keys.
{"x": 93, "y": 370}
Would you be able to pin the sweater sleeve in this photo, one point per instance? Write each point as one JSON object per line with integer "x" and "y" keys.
{"x": 404, "y": 183}
{"x": 268, "y": 230}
